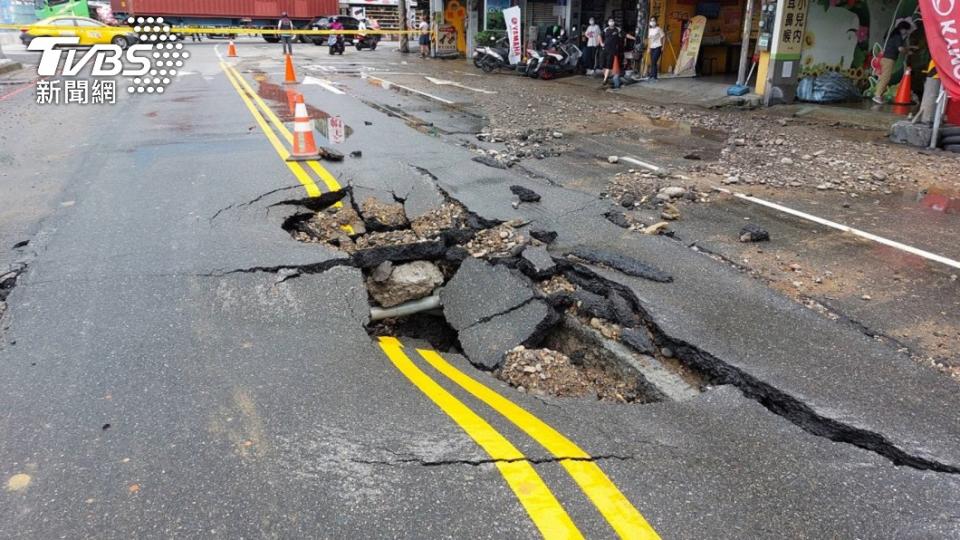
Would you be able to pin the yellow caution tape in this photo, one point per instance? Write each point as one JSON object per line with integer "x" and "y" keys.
{"x": 204, "y": 30}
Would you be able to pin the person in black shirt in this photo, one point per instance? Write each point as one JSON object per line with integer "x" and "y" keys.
{"x": 896, "y": 44}
{"x": 612, "y": 42}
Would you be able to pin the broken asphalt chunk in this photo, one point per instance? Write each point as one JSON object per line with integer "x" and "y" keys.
{"x": 543, "y": 235}
{"x": 486, "y": 343}
{"x": 627, "y": 265}
{"x": 537, "y": 263}
{"x": 479, "y": 291}
{"x": 638, "y": 340}
{"x": 617, "y": 218}
{"x": 751, "y": 232}
{"x": 428, "y": 250}
{"x": 489, "y": 162}
{"x": 525, "y": 195}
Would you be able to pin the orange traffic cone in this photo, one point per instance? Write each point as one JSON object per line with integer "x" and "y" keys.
{"x": 904, "y": 96}
{"x": 292, "y": 99}
{"x": 616, "y": 64}
{"x": 291, "y": 76}
{"x": 304, "y": 146}
{"x": 231, "y": 50}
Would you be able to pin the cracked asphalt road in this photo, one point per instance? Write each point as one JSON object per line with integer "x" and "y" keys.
{"x": 157, "y": 379}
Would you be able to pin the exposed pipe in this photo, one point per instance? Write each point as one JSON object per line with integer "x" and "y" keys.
{"x": 407, "y": 308}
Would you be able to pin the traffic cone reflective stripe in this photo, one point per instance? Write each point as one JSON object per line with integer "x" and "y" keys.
{"x": 904, "y": 96}
{"x": 291, "y": 76}
{"x": 304, "y": 145}
{"x": 232, "y": 50}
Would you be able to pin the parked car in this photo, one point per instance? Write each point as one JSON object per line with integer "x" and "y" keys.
{"x": 89, "y": 31}
{"x": 323, "y": 23}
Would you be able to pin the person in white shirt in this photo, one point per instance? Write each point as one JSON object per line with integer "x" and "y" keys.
{"x": 424, "y": 28}
{"x": 655, "y": 44}
{"x": 592, "y": 35}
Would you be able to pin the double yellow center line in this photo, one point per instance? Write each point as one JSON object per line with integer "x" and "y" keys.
{"x": 544, "y": 509}
{"x": 252, "y": 100}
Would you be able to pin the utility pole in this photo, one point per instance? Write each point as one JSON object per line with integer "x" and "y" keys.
{"x": 404, "y": 44}
{"x": 643, "y": 7}
{"x": 745, "y": 44}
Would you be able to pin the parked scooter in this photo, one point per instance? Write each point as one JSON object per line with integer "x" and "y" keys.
{"x": 335, "y": 42}
{"x": 491, "y": 57}
{"x": 554, "y": 58}
{"x": 367, "y": 41}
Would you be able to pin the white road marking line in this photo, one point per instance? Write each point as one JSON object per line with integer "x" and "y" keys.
{"x": 387, "y": 85}
{"x": 845, "y": 228}
{"x": 643, "y": 164}
{"x": 458, "y": 85}
{"x": 326, "y": 85}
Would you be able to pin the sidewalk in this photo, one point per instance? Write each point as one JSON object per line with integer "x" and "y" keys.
{"x": 711, "y": 93}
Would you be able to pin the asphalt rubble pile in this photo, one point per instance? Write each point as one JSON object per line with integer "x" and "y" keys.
{"x": 519, "y": 144}
{"x": 759, "y": 147}
{"x": 493, "y": 292}
{"x": 634, "y": 191}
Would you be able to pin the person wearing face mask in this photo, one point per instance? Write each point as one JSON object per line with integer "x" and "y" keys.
{"x": 655, "y": 44}
{"x": 896, "y": 44}
{"x": 592, "y": 35}
{"x": 611, "y": 41}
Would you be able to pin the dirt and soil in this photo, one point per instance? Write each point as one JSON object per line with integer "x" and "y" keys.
{"x": 548, "y": 372}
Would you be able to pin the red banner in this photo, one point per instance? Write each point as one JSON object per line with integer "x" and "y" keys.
{"x": 941, "y": 22}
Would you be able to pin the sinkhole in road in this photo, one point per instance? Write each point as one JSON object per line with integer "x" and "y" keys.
{"x": 492, "y": 292}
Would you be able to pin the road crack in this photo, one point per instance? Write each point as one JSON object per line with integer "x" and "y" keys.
{"x": 252, "y": 201}
{"x": 491, "y": 461}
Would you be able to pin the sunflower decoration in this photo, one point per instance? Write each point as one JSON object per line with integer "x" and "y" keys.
{"x": 809, "y": 40}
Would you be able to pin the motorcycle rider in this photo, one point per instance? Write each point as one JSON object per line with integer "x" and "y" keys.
{"x": 592, "y": 36}
{"x": 335, "y": 41}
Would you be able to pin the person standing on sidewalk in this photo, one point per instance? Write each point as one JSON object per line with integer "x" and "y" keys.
{"x": 655, "y": 44}
{"x": 592, "y": 35}
{"x": 896, "y": 44}
{"x": 611, "y": 42}
{"x": 286, "y": 39}
{"x": 424, "y": 37}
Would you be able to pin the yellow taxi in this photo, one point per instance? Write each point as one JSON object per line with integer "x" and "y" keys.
{"x": 89, "y": 31}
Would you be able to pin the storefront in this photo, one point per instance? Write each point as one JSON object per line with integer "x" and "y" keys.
{"x": 385, "y": 12}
